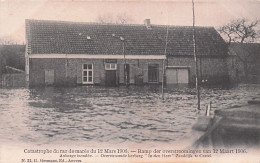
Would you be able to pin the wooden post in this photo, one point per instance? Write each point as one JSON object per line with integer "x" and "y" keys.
{"x": 208, "y": 109}
{"x": 163, "y": 79}
{"x": 195, "y": 57}
{"x": 165, "y": 53}
{"x": 125, "y": 75}
{"x": 66, "y": 67}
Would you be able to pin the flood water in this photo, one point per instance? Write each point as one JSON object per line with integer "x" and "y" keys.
{"x": 111, "y": 115}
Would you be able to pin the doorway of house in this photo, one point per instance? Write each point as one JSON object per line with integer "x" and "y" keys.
{"x": 177, "y": 75}
{"x": 153, "y": 73}
{"x": 110, "y": 77}
{"x": 110, "y": 69}
{"x": 49, "y": 77}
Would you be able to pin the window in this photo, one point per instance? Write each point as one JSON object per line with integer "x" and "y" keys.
{"x": 110, "y": 66}
{"x": 153, "y": 73}
{"x": 87, "y": 74}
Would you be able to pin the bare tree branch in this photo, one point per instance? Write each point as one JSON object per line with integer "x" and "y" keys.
{"x": 6, "y": 41}
{"x": 242, "y": 31}
{"x": 121, "y": 18}
{"x": 105, "y": 19}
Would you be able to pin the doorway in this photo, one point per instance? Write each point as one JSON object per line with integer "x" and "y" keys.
{"x": 111, "y": 76}
{"x": 177, "y": 76}
{"x": 49, "y": 77}
{"x": 153, "y": 73}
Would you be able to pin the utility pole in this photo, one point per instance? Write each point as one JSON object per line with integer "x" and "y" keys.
{"x": 122, "y": 39}
{"x": 195, "y": 56}
{"x": 125, "y": 73}
{"x": 165, "y": 53}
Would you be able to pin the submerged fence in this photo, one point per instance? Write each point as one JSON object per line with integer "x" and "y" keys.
{"x": 13, "y": 80}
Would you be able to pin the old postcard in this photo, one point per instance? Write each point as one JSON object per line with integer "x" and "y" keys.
{"x": 129, "y": 81}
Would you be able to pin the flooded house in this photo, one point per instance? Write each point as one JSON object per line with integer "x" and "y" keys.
{"x": 72, "y": 53}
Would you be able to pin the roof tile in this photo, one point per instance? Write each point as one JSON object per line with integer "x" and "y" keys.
{"x": 47, "y": 37}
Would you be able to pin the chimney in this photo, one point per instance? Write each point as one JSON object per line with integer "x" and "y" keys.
{"x": 147, "y": 23}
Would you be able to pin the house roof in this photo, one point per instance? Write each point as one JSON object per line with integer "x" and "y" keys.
{"x": 48, "y": 37}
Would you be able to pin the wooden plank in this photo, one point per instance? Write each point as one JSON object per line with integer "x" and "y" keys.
{"x": 207, "y": 134}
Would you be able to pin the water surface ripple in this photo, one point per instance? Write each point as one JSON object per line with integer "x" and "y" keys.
{"x": 112, "y": 115}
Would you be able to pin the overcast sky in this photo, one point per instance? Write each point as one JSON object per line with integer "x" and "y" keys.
{"x": 173, "y": 12}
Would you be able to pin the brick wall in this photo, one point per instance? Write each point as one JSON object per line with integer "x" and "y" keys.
{"x": 237, "y": 71}
{"x": 38, "y": 66}
{"x": 138, "y": 68}
{"x": 212, "y": 69}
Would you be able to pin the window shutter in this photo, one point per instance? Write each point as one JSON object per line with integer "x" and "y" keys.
{"x": 132, "y": 74}
{"x": 121, "y": 73}
{"x": 79, "y": 74}
{"x": 145, "y": 70}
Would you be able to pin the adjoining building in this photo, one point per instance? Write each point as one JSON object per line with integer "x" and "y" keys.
{"x": 12, "y": 65}
{"x": 12, "y": 56}
{"x": 69, "y": 53}
{"x": 244, "y": 62}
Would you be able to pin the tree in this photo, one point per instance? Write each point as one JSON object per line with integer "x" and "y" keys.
{"x": 121, "y": 18}
{"x": 6, "y": 41}
{"x": 241, "y": 31}
{"x": 105, "y": 19}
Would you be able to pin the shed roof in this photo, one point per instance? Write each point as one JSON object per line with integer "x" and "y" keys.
{"x": 58, "y": 37}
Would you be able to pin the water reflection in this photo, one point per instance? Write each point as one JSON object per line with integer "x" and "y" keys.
{"x": 114, "y": 115}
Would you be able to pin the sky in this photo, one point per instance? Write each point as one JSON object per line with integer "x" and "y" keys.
{"x": 171, "y": 12}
